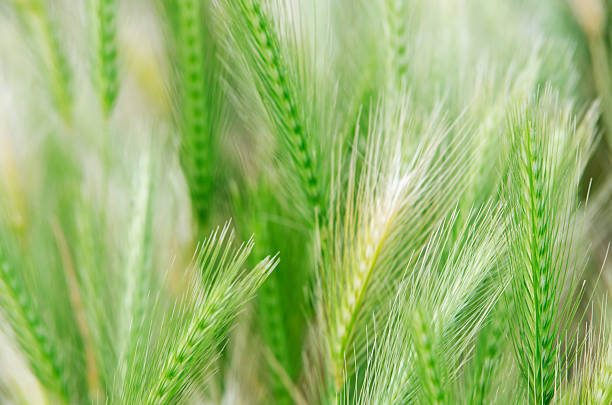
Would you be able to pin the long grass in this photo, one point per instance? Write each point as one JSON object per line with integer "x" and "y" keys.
{"x": 418, "y": 192}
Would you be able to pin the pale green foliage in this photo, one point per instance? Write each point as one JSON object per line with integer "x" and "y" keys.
{"x": 182, "y": 346}
{"x": 421, "y": 168}
{"x": 436, "y": 313}
{"x": 381, "y": 219}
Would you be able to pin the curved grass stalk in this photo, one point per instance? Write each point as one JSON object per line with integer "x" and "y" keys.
{"x": 106, "y": 81}
{"x": 382, "y": 222}
{"x": 268, "y": 63}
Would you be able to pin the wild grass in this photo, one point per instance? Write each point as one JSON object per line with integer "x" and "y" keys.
{"x": 36, "y": 19}
{"x": 421, "y": 188}
{"x": 260, "y": 42}
{"x": 200, "y": 110}
{"x": 542, "y": 256}
{"x": 104, "y": 21}
{"x": 381, "y": 222}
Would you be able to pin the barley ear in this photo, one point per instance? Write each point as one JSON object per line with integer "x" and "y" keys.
{"x": 268, "y": 65}
{"x": 105, "y": 62}
{"x": 45, "y": 34}
{"x": 546, "y": 164}
{"x": 183, "y": 348}
{"x": 27, "y": 326}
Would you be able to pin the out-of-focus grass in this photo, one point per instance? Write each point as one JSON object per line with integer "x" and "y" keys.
{"x": 420, "y": 167}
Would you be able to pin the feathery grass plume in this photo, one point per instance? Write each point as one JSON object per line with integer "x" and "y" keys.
{"x": 416, "y": 359}
{"x": 104, "y": 66}
{"x": 277, "y": 52}
{"x": 389, "y": 376}
{"x": 35, "y": 15}
{"x": 199, "y": 105}
{"x": 273, "y": 54}
{"x": 184, "y": 345}
{"x": 380, "y": 218}
{"x": 485, "y": 79}
{"x": 547, "y": 159}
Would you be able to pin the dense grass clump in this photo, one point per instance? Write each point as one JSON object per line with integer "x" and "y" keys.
{"x": 418, "y": 193}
